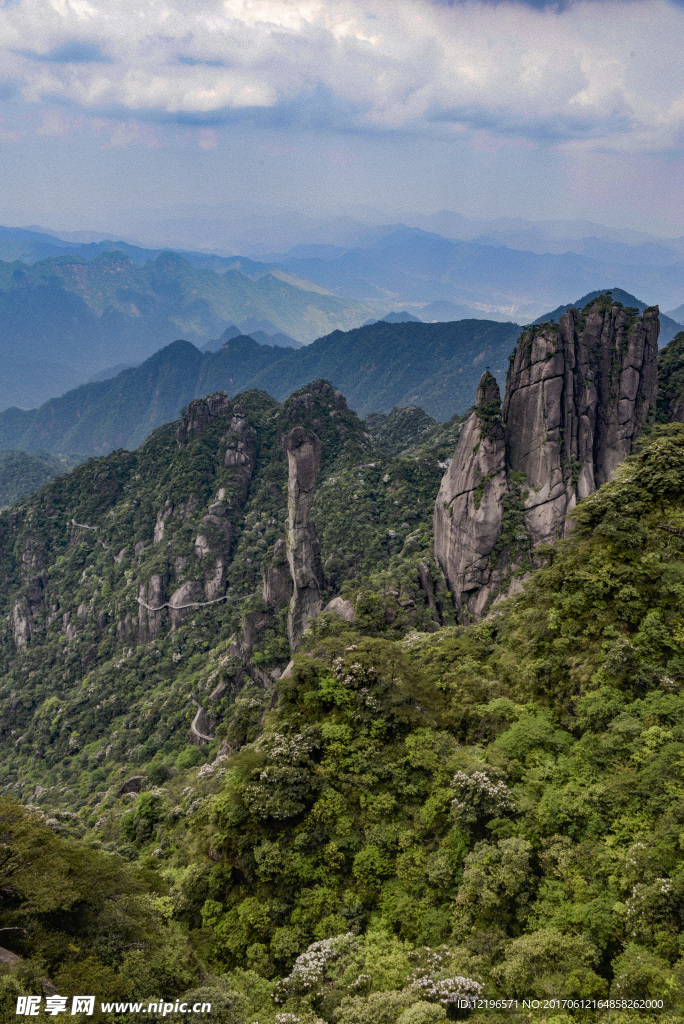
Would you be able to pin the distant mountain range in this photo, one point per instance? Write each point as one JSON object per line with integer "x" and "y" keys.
{"x": 22, "y": 473}
{"x": 64, "y": 319}
{"x": 436, "y": 366}
{"x": 418, "y": 268}
{"x": 261, "y": 331}
{"x": 668, "y": 326}
{"x": 73, "y": 311}
{"x": 443, "y": 267}
{"x": 27, "y": 245}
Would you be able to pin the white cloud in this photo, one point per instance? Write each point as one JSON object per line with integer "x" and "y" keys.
{"x": 607, "y": 73}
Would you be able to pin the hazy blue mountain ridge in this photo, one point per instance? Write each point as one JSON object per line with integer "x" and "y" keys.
{"x": 677, "y": 314}
{"x": 411, "y": 266}
{"x": 436, "y": 366}
{"x": 64, "y": 319}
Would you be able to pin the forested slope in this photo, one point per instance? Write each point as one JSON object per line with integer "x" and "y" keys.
{"x": 412, "y": 813}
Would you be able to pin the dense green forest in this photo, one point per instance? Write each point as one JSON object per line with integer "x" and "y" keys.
{"x": 415, "y": 814}
{"x": 22, "y": 473}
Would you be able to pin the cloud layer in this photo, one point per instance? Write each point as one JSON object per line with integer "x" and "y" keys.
{"x": 587, "y": 74}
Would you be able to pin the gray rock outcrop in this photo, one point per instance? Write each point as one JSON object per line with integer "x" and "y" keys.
{"x": 184, "y": 600}
{"x": 578, "y": 394}
{"x": 340, "y": 606}
{"x": 277, "y": 581}
{"x": 21, "y": 622}
{"x": 469, "y": 507}
{"x": 198, "y": 414}
{"x": 240, "y": 447}
{"x": 303, "y": 550}
{"x": 150, "y": 601}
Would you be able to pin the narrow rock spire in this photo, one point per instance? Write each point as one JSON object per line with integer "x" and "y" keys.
{"x": 303, "y": 550}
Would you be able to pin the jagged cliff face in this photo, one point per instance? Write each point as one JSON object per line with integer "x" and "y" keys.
{"x": 469, "y": 508}
{"x": 159, "y": 581}
{"x": 577, "y": 397}
{"x": 578, "y": 394}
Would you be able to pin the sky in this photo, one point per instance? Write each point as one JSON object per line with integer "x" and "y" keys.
{"x": 124, "y": 115}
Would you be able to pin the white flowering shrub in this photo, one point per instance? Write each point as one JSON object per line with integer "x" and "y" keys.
{"x": 448, "y": 990}
{"x": 208, "y": 769}
{"x": 311, "y": 967}
{"x": 650, "y": 904}
{"x": 361, "y": 983}
{"x": 478, "y": 795}
{"x": 281, "y": 787}
{"x": 433, "y": 980}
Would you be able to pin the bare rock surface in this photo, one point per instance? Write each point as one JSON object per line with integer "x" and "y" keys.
{"x": 150, "y": 601}
{"x": 277, "y": 582}
{"x": 132, "y": 785}
{"x": 198, "y": 414}
{"x": 340, "y": 606}
{"x": 468, "y": 511}
{"x": 303, "y": 550}
{"x": 183, "y": 600}
{"x": 578, "y": 394}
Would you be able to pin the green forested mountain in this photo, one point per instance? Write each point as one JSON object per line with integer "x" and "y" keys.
{"x": 65, "y": 318}
{"x": 405, "y": 814}
{"x": 114, "y": 413}
{"x": 435, "y": 366}
{"x": 377, "y": 367}
{"x": 671, "y": 381}
{"x": 22, "y": 473}
{"x": 432, "y": 811}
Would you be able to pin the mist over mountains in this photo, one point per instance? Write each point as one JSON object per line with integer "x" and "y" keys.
{"x": 416, "y": 267}
{"x": 64, "y": 319}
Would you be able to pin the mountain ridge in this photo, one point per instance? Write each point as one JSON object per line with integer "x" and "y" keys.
{"x": 668, "y": 327}
{"x": 64, "y": 319}
{"x": 380, "y": 366}
{"x": 412, "y": 266}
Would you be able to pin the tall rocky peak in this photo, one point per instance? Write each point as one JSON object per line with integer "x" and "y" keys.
{"x": 303, "y": 550}
{"x": 578, "y": 394}
{"x": 321, "y": 408}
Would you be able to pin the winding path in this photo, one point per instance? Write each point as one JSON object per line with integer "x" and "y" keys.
{"x": 194, "y": 731}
